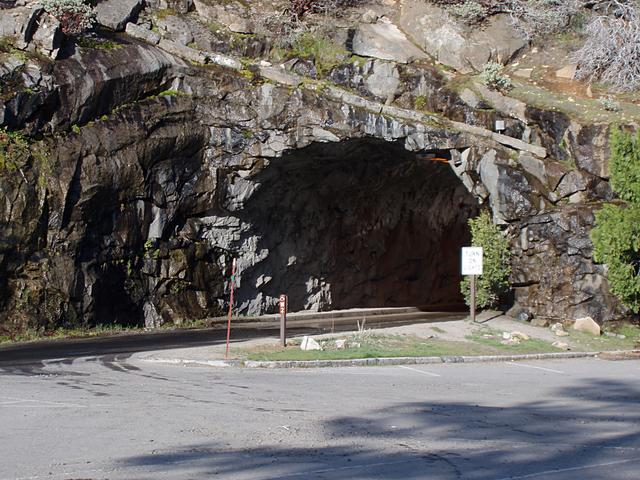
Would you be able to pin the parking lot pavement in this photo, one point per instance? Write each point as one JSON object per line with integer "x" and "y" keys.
{"x": 114, "y": 417}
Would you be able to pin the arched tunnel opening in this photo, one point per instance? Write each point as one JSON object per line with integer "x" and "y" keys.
{"x": 357, "y": 224}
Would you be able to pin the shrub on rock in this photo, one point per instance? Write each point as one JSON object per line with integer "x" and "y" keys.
{"x": 75, "y": 16}
{"x": 493, "y": 284}
{"x": 493, "y": 77}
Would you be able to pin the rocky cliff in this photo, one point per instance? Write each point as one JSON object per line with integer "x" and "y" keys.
{"x": 158, "y": 154}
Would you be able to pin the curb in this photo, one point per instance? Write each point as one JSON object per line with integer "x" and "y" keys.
{"x": 384, "y": 361}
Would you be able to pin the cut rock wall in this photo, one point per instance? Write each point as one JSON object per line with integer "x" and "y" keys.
{"x": 136, "y": 213}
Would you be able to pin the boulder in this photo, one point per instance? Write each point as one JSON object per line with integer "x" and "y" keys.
{"x": 230, "y": 14}
{"x": 176, "y": 28}
{"x": 520, "y": 335}
{"x": 182, "y": 51}
{"x": 115, "y": 14}
{"x": 386, "y": 42}
{"x": 510, "y": 193}
{"x": 142, "y": 33}
{"x": 370, "y": 16}
{"x": 567, "y": 72}
{"x": 523, "y": 72}
{"x": 20, "y": 23}
{"x": 180, "y": 6}
{"x": 464, "y": 48}
{"x": 561, "y": 345}
{"x": 309, "y": 343}
{"x": 502, "y": 103}
{"x": 48, "y": 37}
{"x": 470, "y": 97}
{"x": 588, "y": 146}
{"x": 540, "y": 322}
{"x": 587, "y": 325}
{"x": 573, "y": 182}
{"x": 559, "y": 330}
{"x": 384, "y": 82}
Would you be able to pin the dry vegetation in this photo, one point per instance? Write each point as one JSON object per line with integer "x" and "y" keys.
{"x": 610, "y": 31}
{"x": 611, "y": 52}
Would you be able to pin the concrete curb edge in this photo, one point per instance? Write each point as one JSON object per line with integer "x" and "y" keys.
{"x": 384, "y": 361}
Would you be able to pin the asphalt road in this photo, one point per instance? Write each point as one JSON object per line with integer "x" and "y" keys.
{"x": 118, "y": 417}
{"x": 129, "y": 343}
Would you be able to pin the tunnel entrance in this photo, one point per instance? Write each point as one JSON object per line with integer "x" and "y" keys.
{"x": 362, "y": 223}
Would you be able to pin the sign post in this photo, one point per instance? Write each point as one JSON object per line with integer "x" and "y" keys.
{"x": 283, "y": 304}
{"x": 233, "y": 286}
{"x": 472, "y": 266}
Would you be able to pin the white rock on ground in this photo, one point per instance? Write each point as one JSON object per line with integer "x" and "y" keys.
{"x": 309, "y": 343}
{"x": 588, "y": 325}
{"x": 520, "y": 335}
{"x": 559, "y": 330}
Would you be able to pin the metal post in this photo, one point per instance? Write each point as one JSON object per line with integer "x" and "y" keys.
{"x": 233, "y": 285}
{"x": 283, "y": 304}
{"x": 473, "y": 298}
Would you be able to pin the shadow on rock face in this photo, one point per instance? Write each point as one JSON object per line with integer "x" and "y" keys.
{"x": 362, "y": 223}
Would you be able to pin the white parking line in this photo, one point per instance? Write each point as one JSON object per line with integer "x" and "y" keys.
{"x": 571, "y": 469}
{"x": 420, "y": 371}
{"x": 24, "y": 402}
{"x": 537, "y": 368}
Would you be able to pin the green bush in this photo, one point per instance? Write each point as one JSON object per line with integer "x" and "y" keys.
{"x": 493, "y": 284}
{"x": 14, "y": 150}
{"x": 325, "y": 53}
{"x": 616, "y": 236}
{"x": 624, "y": 165}
{"x": 616, "y": 241}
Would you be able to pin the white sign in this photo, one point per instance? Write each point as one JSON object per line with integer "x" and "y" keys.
{"x": 472, "y": 260}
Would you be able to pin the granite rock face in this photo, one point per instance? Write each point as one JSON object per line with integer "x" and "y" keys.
{"x": 385, "y": 41}
{"x": 159, "y": 172}
{"x": 464, "y": 48}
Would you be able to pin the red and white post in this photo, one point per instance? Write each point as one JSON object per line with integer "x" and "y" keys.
{"x": 283, "y": 306}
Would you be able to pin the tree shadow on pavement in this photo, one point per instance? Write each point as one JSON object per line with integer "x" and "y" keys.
{"x": 588, "y": 431}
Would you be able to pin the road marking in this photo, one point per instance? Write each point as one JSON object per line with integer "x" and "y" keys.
{"x": 537, "y": 368}
{"x": 571, "y": 469}
{"x": 420, "y": 371}
{"x": 13, "y": 401}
